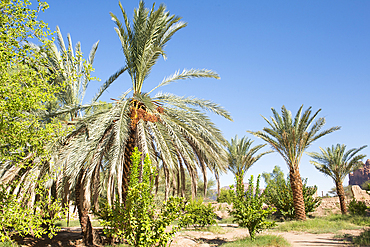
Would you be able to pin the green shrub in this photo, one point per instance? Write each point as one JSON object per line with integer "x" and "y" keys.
{"x": 198, "y": 214}
{"x": 226, "y": 196}
{"x": 138, "y": 221}
{"x": 278, "y": 193}
{"x": 248, "y": 208}
{"x": 17, "y": 217}
{"x": 357, "y": 207}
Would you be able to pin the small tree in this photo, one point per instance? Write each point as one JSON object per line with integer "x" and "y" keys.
{"x": 248, "y": 208}
{"x": 226, "y": 195}
{"x": 278, "y": 193}
{"x": 18, "y": 218}
{"x": 198, "y": 214}
{"x": 138, "y": 221}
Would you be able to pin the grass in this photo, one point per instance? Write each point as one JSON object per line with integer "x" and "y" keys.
{"x": 215, "y": 229}
{"x": 261, "y": 240}
{"x": 363, "y": 239}
{"x": 8, "y": 244}
{"x": 354, "y": 219}
{"x": 318, "y": 225}
{"x": 118, "y": 245}
{"x": 75, "y": 223}
{"x": 228, "y": 220}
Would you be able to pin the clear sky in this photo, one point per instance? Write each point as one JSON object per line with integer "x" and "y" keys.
{"x": 268, "y": 54}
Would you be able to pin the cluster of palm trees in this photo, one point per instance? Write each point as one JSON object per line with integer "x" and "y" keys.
{"x": 290, "y": 138}
{"x": 94, "y": 157}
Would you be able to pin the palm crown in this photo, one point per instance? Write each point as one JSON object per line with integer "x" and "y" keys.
{"x": 336, "y": 162}
{"x": 171, "y": 129}
{"x": 242, "y": 155}
{"x": 291, "y": 137}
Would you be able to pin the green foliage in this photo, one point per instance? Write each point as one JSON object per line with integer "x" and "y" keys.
{"x": 242, "y": 155}
{"x": 138, "y": 221}
{"x": 366, "y": 185}
{"x": 357, "y": 207}
{"x": 248, "y": 208}
{"x": 226, "y": 196}
{"x": 18, "y": 218}
{"x": 198, "y": 214}
{"x": 278, "y": 193}
{"x": 24, "y": 86}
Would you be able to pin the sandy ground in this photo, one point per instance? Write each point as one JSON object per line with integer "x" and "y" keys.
{"x": 72, "y": 237}
{"x": 198, "y": 238}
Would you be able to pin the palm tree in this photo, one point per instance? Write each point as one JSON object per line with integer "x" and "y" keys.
{"x": 173, "y": 130}
{"x": 242, "y": 156}
{"x": 336, "y": 163}
{"x": 290, "y": 138}
{"x": 72, "y": 73}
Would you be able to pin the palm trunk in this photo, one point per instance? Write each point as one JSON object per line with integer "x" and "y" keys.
{"x": 340, "y": 192}
{"x": 194, "y": 184}
{"x": 296, "y": 185}
{"x": 173, "y": 183}
{"x": 156, "y": 181}
{"x": 217, "y": 176}
{"x": 205, "y": 182}
{"x": 86, "y": 227}
{"x": 167, "y": 181}
{"x": 178, "y": 182}
{"x": 130, "y": 145}
{"x": 183, "y": 180}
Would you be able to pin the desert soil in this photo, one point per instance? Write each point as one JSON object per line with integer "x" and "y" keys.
{"x": 72, "y": 237}
{"x": 198, "y": 238}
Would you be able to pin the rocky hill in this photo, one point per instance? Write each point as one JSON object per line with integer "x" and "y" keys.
{"x": 361, "y": 175}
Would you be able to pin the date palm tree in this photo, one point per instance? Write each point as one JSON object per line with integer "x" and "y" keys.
{"x": 241, "y": 156}
{"x": 173, "y": 130}
{"x": 290, "y": 137}
{"x": 72, "y": 73}
{"x": 337, "y": 163}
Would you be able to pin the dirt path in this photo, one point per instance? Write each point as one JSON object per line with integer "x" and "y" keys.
{"x": 72, "y": 237}
{"x": 297, "y": 239}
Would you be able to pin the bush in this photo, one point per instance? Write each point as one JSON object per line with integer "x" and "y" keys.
{"x": 138, "y": 221}
{"x": 248, "y": 208}
{"x": 278, "y": 193}
{"x": 226, "y": 196}
{"x": 198, "y": 214}
{"x": 18, "y": 218}
{"x": 357, "y": 207}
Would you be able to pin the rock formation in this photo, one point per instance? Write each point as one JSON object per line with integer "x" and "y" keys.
{"x": 361, "y": 175}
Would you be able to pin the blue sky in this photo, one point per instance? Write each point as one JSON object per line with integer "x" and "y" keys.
{"x": 268, "y": 54}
